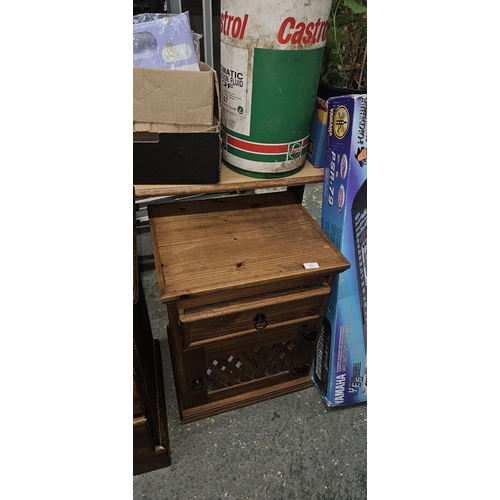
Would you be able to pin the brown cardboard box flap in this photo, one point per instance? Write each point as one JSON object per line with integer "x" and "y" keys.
{"x": 174, "y": 96}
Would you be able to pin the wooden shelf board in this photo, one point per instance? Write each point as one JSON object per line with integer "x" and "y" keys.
{"x": 231, "y": 181}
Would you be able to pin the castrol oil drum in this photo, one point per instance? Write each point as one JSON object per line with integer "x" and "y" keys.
{"x": 271, "y": 56}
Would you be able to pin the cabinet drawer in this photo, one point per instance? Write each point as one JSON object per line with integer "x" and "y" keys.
{"x": 204, "y": 324}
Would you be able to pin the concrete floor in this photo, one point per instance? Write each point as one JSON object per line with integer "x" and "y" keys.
{"x": 291, "y": 447}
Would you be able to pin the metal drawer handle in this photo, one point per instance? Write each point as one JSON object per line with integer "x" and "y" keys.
{"x": 260, "y": 321}
{"x": 301, "y": 370}
{"x": 197, "y": 384}
{"x": 309, "y": 336}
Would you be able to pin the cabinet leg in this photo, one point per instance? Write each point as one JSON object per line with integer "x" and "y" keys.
{"x": 297, "y": 191}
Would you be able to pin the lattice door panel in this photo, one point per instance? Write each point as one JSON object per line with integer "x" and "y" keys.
{"x": 232, "y": 368}
{"x": 249, "y": 365}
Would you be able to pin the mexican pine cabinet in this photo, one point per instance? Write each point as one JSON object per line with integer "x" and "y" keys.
{"x": 246, "y": 281}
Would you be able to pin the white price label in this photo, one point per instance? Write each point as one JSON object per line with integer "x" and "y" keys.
{"x": 311, "y": 265}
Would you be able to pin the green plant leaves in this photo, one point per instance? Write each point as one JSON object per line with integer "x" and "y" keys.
{"x": 356, "y": 6}
{"x": 344, "y": 61}
{"x": 335, "y": 36}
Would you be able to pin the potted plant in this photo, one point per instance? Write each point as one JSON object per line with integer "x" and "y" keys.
{"x": 345, "y": 60}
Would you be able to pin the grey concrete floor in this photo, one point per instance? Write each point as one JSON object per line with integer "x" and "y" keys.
{"x": 291, "y": 447}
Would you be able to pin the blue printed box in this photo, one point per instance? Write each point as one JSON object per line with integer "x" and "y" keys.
{"x": 317, "y": 137}
{"x": 340, "y": 366}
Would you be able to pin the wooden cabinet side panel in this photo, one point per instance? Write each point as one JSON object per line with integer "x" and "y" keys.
{"x": 137, "y": 401}
{"x": 143, "y": 358}
{"x": 143, "y": 442}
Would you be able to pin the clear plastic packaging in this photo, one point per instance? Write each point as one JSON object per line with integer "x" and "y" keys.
{"x": 164, "y": 41}
{"x": 196, "y": 42}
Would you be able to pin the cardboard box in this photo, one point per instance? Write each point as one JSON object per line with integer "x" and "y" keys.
{"x": 340, "y": 366}
{"x": 176, "y": 126}
{"x": 316, "y": 148}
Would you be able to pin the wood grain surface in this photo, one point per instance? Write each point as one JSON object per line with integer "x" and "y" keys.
{"x": 204, "y": 246}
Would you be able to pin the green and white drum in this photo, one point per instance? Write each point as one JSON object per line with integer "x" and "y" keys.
{"x": 271, "y": 56}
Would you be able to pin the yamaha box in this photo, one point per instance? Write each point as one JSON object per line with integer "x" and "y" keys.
{"x": 317, "y": 137}
{"x": 340, "y": 366}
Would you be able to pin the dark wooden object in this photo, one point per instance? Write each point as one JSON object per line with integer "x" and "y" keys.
{"x": 150, "y": 432}
{"x": 151, "y": 443}
{"x": 244, "y": 311}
